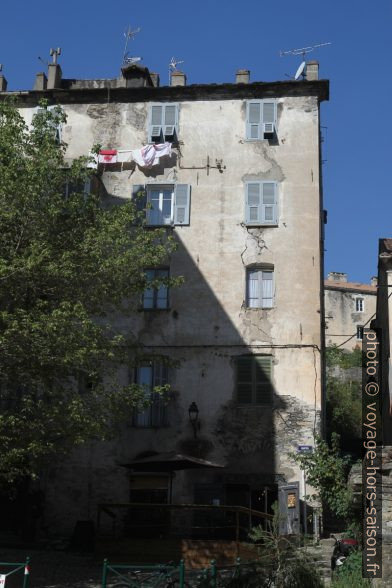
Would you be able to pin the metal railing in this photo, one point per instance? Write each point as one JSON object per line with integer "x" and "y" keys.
{"x": 143, "y": 576}
{"x": 193, "y": 521}
{"x": 17, "y": 567}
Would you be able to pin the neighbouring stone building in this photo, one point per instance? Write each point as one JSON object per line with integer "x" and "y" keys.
{"x": 242, "y": 194}
{"x": 349, "y": 307}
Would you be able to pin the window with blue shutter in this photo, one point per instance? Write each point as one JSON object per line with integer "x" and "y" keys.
{"x": 163, "y": 123}
{"x": 168, "y": 204}
{"x": 259, "y": 288}
{"x": 156, "y": 296}
{"x": 261, "y": 206}
{"x": 260, "y": 119}
{"x": 254, "y": 380}
{"x": 57, "y": 128}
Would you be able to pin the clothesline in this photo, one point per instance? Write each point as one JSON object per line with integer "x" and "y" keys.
{"x": 147, "y": 156}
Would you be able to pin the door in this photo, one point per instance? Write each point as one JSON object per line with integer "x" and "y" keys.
{"x": 289, "y": 503}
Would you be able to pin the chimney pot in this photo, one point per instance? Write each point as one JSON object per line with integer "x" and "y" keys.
{"x": 337, "y": 277}
{"x": 312, "y": 71}
{"x": 155, "y": 79}
{"x": 178, "y": 78}
{"x": 54, "y": 76}
{"x": 374, "y": 281}
{"x": 3, "y": 83}
{"x": 41, "y": 81}
{"x": 242, "y": 76}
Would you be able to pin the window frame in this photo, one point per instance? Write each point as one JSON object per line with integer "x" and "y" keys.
{"x": 145, "y": 419}
{"x": 359, "y": 301}
{"x": 156, "y": 291}
{"x": 261, "y": 222}
{"x": 254, "y": 381}
{"x": 360, "y": 329}
{"x": 178, "y": 191}
{"x": 162, "y": 125}
{"x": 260, "y": 131}
{"x": 259, "y": 269}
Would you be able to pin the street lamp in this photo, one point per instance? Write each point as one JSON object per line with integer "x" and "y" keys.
{"x": 193, "y": 412}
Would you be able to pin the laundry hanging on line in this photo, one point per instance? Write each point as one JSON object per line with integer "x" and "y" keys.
{"x": 150, "y": 155}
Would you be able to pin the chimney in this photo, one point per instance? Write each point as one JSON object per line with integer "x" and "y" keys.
{"x": 242, "y": 76}
{"x": 155, "y": 79}
{"x": 54, "y": 76}
{"x": 41, "y": 82}
{"x": 337, "y": 277}
{"x": 178, "y": 78}
{"x": 312, "y": 71}
{"x": 3, "y": 83}
{"x": 374, "y": 281}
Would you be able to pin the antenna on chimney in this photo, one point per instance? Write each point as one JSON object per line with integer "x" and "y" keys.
{"x": 130, "y": 34}
{"x": 54, "y": 53}
{"x": 303, "y": 51}
{"x": 173, "y": 66}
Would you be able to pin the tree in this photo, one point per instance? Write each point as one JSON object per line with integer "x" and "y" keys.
{"x": 68, "y": 264}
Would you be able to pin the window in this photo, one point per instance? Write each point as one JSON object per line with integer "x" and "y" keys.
{"x": 359, "y": 333}
{"x": 259, "y": 288}
{"x": 168, "y": 205}
{"x": 156, "y": 297}
{"x": 359, "y": 306}
{"x": 149, "y": 375}
{"x": 57, "y": 128}
{"x": 80, "y": 187}
{"x": 254, "y": 379}
{"x": 260, "y": 119}
{"x": 261, "y": 206}
{"x": 163, "y": 123}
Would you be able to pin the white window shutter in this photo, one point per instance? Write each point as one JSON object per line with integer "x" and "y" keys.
{"x": 253, "y": 203}
{"x": 254, "y": 119}
{"x": 269, "y": 203}
{"x": 182, "y": 199}
{"x": 170, "y": 121}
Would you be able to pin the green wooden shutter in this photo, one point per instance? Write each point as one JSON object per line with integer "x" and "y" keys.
{"x": 254, "y": 119}
{"x": 253, "y": 203}
{"x": 244, "y": 380}
{"x": 182, "y": 199}
{"x": 263, "y": 379}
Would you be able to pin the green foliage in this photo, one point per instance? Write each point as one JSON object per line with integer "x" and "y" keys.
{"x": 286, "y": 566}
{"x": 326, "y": 471}
{"x": 344, "y": 412}
{"x": 349, "y": 575}
{"x": 67, "y": 266}
{"x": 336, "y": 356}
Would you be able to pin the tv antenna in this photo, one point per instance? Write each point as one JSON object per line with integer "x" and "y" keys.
{"x": 303, "y": 51}
{"x": 173, "y": 66}
{"x": 301, "y": 71}
{"x": 54, "y": 53}
{"x": 43, "y": 61}
{"x": 130, "y": 34}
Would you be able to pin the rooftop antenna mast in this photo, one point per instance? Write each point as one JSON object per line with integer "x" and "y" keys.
{"x": 130, "y": 34}
{"x": 54, "y": 53}
{"x": 302, "y": 51}
{"x": 173, "y": 66}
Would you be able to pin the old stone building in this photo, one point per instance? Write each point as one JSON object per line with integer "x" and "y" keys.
{"x": 242, "y": 194}
{"x": 349, "y": 307}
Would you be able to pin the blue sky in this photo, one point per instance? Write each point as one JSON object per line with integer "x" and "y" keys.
{"x": 215, "y": 38}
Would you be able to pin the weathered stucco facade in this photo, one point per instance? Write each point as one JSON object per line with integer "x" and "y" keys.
{"x": 349, "y": 306}
{"x": 208, "y": 323}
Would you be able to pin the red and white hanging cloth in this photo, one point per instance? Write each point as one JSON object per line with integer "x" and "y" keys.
{"x": 150, "y": 155}
{"x": 107, "y": 156}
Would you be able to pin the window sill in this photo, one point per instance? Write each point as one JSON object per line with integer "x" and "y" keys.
{"x": 264, "y": 225}
{"x": 259, "y": 307}
{"x": 168, "y": 309}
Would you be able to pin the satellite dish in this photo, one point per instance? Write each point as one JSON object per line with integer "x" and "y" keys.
{"x": 300, "y": 70}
